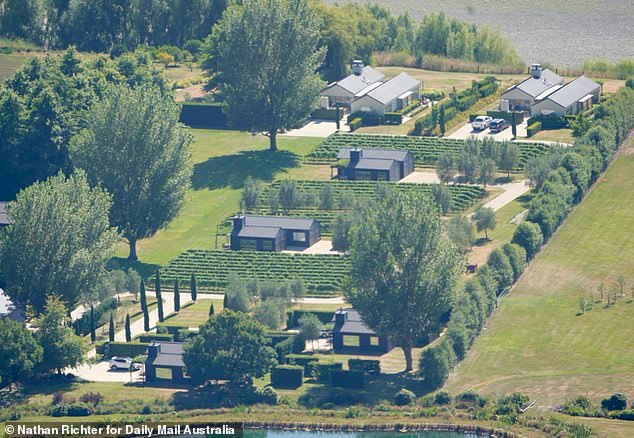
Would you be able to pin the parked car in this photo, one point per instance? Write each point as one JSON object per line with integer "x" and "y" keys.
{"x": 481, "y": 123}
{"x": 498, "y": 125}
{"x": 123, "y": 363}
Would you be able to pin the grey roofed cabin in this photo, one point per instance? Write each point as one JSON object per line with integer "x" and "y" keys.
{"x": 390, "y": 96}
{"x": 166, "y": 355}
{"x": 375, "y": 164}
{"x": 343, "y": 92}
{"x": 522, "y": 96}
{"x": 351, "y": 335}
{"x": 4, "y": 217}
{"x": 574, "y": 97}
{"x": 273, "y": 233}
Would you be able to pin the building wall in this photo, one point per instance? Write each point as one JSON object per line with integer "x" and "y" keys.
{"x": 243, "y": 243}
{"x": 367, "y": 104}
{"x": 365, "y": 344}
{"x": 518, "y": 99}
{"x": 337, "y": 94}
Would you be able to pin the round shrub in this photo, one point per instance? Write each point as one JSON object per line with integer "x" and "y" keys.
{"x": 616, "y": 402}
{"x": 443, "y": 398}
{"x": 529, "y": 236}
{"x": 404, "y": 397}
{"x": 79, "y": 410}
{"x": 267, "y": 395}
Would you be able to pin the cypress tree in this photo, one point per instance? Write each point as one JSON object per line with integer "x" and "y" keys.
{"x": 159, "y": 296}
{"x": 441, "y": 120}
{"x": 93, "y": 334}
{"x": 211, "y": 310}
{"x": 177, "y": 296}
{"x": 225, "y": 302}
{"x": 146, "y": 316}
{"x": 111, "y": 329}
{"x": 193, "y": 287}
{"x": 128, "y": 332}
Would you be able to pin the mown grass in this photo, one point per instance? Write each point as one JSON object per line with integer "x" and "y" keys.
{"x": 537, "y": 342}
{"x": 193, "y": 314}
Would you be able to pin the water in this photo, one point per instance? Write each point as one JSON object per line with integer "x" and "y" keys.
{"x": 316, "y": 434}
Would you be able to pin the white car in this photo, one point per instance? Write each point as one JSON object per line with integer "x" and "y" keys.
{"x": 481, "y": 123}
{"x": 123, "y": 363}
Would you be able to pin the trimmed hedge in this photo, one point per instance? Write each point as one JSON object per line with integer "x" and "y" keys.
{"x": 295, "y": 315}
{"x": 519, "y": 117}
{"x": 355, "y": 124}
{"x": 287, "y": 376}
{"x": 171, "y": 329}
{"x": 393, "y": 118}
{"x": 549, "y": 122}
{"x": 301, "y": 360}
{"x": 324, "y": 369}
{"x": 124, "y": 349}
{"x": 533, "y": 129}
{"x": 347, "y": 379}
{"x": 325, "y": 114}
{"x": 149, "y": 337}
{"x": 203, "y": 115}
{"x": 368, "y": 366}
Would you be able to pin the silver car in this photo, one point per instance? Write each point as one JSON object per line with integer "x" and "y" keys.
{"x": 123, "y": 363}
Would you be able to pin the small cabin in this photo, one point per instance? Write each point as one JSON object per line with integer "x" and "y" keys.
{"x": 273, "y": 233}
{"x": 351, "y": 336}
{"x": 375, "y": 164}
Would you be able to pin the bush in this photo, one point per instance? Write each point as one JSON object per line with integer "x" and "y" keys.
{"x": 324, "y": 369}
{"x": 443, "y": 398}
{"x": 355, "y": 124}
{"x": 78, "y": 410}
{"x": 286, "y": 347}
{"x": 470, "y": 399}
{"x": 519, "y": 117}
{"x": 366, "y": 365}
{"x": 125, "y": 349}
{"x": 267, "y": 395}
{"x": 581, "y": 406}
{"x": 295, "y": 315}
{"x": 616, "y": 402}
{"x": 529, "y": 236}
{"x": 393, "y": 118}
{"x": 533, "y": 129}
{"x": 551, "y": 121}
{"x": 404, "y": 397}
{"x": 436, "y": 363}
{"x": 347, "y": 379}
{"x": 93, "y": 398}
{"x": 287, "y": 376}
{"x": 301, "y": 360}
{"x": 502, "y": 269}
{"x": 58, "y": 411}
{"x": 171, "y": 329}
{"x": 517, "y": 257}
{"x": 325, "y": 114}
{"x": 630, "y": 82}
{"x": 627, "y": 414}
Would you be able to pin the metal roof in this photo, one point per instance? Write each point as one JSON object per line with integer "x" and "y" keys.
{"x": 573, "y": 91}
{"x": 536, "y": 86}
{"x": 548, "y": 92}
{"x": 259, "y": 232}
{"x": 393, "y": 88}
{"x": 170, "y": 355}
{"x": 372, "y": 164}
{"x": 4, "y": 218}
{"x": 376, "y": 153}
{"x": 353, "y": 323}
{"x": 355, "y": 83}
{"x": 293, "y": 223}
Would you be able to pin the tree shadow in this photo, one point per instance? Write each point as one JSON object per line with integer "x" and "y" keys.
{"x": 232, "y": 170}
{"x": 42, "y": 385}
{"x": 145, "y": 270}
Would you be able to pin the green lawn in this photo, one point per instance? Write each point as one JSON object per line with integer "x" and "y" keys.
{"x": 222, "y": 161}
{"x": 537, "y": 342}
{"x": 193, "y": 314}
{"x": 9, "y": 64}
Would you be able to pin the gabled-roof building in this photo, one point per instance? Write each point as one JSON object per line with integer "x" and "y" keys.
{"x": 343, "y": 92}
{"x": 389, "y": 96}
{"x": 273, "y": 233}
{"x": 572, "y": 98}
{"x": 375, "y": 164}
{"x": 165, "y": 355}
{"x": 522, "y": 96}
{"x": 351, "y": 335}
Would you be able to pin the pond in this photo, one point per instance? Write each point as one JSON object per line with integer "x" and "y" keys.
{"x": 318, "y": 434}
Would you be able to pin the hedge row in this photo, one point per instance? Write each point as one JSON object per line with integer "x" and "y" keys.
{"x": 149, "y": 337}
{"x": 533, "y": 129}
{"x": 287, "y": 376}
{"x": 368, "y": 366}
{"x": 203, "y": 115}
{"x": 124, "y": 349}
{"x": 301, "y": 360}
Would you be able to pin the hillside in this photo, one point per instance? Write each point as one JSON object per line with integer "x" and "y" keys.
{"x": 538, "y": 342}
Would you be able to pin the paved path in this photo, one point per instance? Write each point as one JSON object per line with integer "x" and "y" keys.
{"x": 512, "y": 191}
{"x": 467, "y": 131}
{"x": 315, "y": 128}
{"x": 321, "y": 247}
{"x": 421, "y": 178}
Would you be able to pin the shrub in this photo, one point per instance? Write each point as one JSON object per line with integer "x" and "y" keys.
{"x": 404, "y": 397}
{"x": 502, "y": 269}
{"x": 78, "y": 410}
{"x": 93, "y": 398}
{"x": 529, "y": 236}
{"x": 125, "y": 349}
{"x": 470, "y": 399}
{"x": 533, "y": 129}
{"x": 436, "y": 363}
{"x": 149, "y": 337}
{"x": 324, "y": 369}
{"x": 443, "y": 398}
{"x": 627, "y": 414}
{"x": 286, "y": 347}
{"x": 203, "y": 115}
{"x": 616, "y": 402}
{"x": 517, "y": 257}
{"x": 301, "y": 360}
{"x": 393, "y": 118}
{"x": 630, "y": 82}
{"x": 366, "y": 365}
{"x": 287, "y": 376}
{"x": 58, "y": 411}
{"x": 267, "y": 395}
{"x": 355, "y": 124}
{"x": 581, "y": 406}
{"x": 552, "y": 121}
{"x": 295, "y": 315}
{"x": 347, "y": 379}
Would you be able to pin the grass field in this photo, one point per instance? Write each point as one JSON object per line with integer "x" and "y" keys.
{"x": 537, "y": 342}
{"x": 222, "y": 161}
{"x": 193, "y": 314}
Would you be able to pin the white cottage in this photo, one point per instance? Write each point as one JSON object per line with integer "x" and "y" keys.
{"x": 522, "y": 97}
{"x": 343, "y": 92}
{"x": 572, "y": 98}
{"x": 390, "y": 96}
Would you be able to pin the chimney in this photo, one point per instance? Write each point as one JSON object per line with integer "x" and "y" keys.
{"x": 355, "y": 155}
{"x": 153, "y": 350}
{"x": 357, "y": 67}
{"x": 340, "y": 317}
{"x": 238, "y": 222}
{"x": 536, "y": 71}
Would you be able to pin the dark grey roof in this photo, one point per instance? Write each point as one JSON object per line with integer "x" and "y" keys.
{"x": 573, "y": 91}
{"x": 536, "y": 86}
{"x": 354, "y": 83}
{"x": 171, "y": 355}
{"x": 373, "y": 164}
{"x": 353, "y": 325}
{"x": 260, "y": 232}
{"x": 4, "y": 218}
{"x": 376, "y": 153}
{"x": 291, "y": 223}
{"x": 393, "y": 88}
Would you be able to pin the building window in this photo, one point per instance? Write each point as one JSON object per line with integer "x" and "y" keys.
{"x": 299, "y": 236}
{"x": 363, "y": 174}
{"x": 267, "y": 245}
{"x": 374, "y": 341}
{"x": 382, "y": 176}
{"x": 248, "y": 244}
{"x": 350, "y": 341}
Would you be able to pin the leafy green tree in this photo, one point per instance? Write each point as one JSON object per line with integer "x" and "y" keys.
{"x": 19, "y": 352}
{"x": 517, "y": 257}
{"x": 289, "y": 195}
{"x": 177, "y": 296}
{"x": 279, "y": 86}
{"x": 298, "y": 289}
{"x": 111, "y": 329}
{"x": 484, "y": 219}
{"x": 529, "y": 236}
{"x": 442, "y": 197}
{"x": 327, "y": 197}
{"x": 61, "y": 347}
{"x": 59, "y": 242}
{"x": 487, "y": 171}
{"x": 238, "y": 298}
{"x": 193, "y": 287}
{"x": 271, "y": 313}
{"x": 469, "y": 160}
{"x": 436, "y": 363}
{"x": 230, "y": 346}
{"x": 310, "y": 328}
{"x": 159, "y": 296}
{"x": 124, "y": 129}
{"x": 404, "y": 269}
{"x": 502, "y": 268}
{"x": 93, "y": 323}
{"x": 509, "y": 157}
{"x": 446, "y": 167}
{"x": 462, "y": 232}
{"x": 250, "y": 195}
{"x": 537, "y": 170}
{"x": 442, "y": 120}
{"x": 128, "y": 331}
{"x": 341, "y": 232}
{"x": 144, "y": 308}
